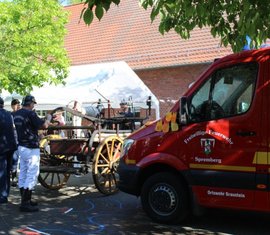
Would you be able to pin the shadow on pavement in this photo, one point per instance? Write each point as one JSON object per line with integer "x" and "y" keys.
{"x": 79, "y": 209}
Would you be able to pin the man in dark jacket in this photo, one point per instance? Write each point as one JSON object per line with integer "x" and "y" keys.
{"x": 27, "y": 125}
{"x": 7, "y": 147}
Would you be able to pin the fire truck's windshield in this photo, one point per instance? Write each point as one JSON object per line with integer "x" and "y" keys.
{"x": 227, "y": 92}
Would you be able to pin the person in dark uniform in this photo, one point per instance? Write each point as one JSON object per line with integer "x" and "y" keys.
{"x": 7, "y": 147}
{"x": 27, "y": 125}
{"x": 15, "y": 105}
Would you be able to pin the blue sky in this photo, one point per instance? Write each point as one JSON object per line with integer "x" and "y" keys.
{"x": 63, "y": 2}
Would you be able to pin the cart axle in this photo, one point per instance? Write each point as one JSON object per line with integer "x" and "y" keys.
{"x": 62, "y": 170}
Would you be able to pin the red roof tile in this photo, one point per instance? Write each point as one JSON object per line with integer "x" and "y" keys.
{"x": 125, "y": 33}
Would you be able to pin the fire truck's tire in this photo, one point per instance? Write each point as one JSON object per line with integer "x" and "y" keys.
{"x": 164, "y": 198}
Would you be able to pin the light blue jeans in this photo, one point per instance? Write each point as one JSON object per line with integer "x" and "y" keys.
{"x": 15, "y": 160}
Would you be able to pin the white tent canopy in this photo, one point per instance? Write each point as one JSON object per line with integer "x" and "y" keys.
{"x": 88, "y": 83}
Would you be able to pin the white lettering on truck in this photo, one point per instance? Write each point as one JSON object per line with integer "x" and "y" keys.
{"x": 225, "y": 194}
{"x": 210, "y": 132}
{"x": 211, "y": 160}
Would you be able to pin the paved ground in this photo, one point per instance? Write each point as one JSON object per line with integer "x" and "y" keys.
{"x": 79, "y": 209}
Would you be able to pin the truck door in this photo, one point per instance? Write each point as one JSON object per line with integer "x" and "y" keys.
{"x": 224, "y": 135}
{"x": 263, "y": 157}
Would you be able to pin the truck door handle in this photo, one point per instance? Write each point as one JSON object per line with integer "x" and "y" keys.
{"x": 246, "y": 133}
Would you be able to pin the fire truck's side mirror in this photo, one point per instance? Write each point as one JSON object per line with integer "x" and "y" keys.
{"x": 183, "y": 115}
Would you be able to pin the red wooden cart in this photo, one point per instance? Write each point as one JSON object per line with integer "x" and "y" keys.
{"x": 97, "y": 151}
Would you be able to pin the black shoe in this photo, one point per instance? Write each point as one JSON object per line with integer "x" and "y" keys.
{"x": 26, "y": 202}
{"x": 32, "y": 202}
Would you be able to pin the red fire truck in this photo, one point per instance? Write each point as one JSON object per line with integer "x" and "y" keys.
{"x": 211, "y": 149}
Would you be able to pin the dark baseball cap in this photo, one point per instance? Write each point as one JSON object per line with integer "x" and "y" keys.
{"x": 28, "y": 100}
{"x": 15, "y": 101}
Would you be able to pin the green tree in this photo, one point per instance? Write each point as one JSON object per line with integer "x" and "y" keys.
{"x": 230, "y": 20}
{"x": 32, "y": 44}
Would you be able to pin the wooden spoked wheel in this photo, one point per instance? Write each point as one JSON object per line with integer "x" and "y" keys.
{"x": 105, "y": 163}
{"x": 51, "y": 180}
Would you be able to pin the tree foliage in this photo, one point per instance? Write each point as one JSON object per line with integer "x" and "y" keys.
{"x": 230, "y": 20}
{"x": 32, "y": 44}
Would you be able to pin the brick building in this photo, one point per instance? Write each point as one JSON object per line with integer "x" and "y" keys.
{"x": 166, "y": 63}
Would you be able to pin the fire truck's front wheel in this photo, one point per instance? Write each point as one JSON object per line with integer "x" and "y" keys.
{"x": 165, "y": 198}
